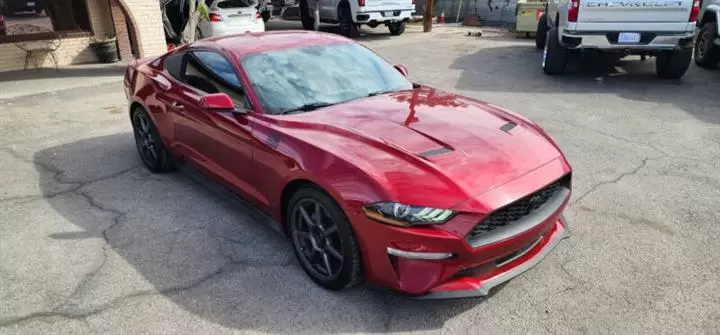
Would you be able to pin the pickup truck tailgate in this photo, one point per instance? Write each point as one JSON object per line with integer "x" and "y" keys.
{"x": 634, "y": 10}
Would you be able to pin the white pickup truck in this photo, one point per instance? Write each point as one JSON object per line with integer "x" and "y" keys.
{"x": 658, "y": 28}
{"x": 351, "y": 14}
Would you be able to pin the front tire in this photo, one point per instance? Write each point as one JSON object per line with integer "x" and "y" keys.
{"x": 555, "y": 56}
{"x": 323, "y": 240}
{"x": 541, "y": 32}
{"x": 396, "y": 28}
{"x": 707, "y": 53}
{"x": 673, "y": 64}
{"x": 149, "y": 143}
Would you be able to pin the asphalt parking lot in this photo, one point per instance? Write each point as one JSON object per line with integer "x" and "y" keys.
{"x": 90, "y": 242}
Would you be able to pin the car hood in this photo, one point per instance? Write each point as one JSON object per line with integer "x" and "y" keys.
{"x": 431, "y": 138}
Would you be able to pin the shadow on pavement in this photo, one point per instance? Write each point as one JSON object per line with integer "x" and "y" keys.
{"x": 202, "y": 253}
{"x": 517, "y": 68}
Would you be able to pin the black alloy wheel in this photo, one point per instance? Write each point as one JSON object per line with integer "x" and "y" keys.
{"x": 323, "y": 240}
{"x": 149, "y": 145}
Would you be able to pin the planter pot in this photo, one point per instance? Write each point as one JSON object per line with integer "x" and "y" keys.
{"x": 106, "y": 52}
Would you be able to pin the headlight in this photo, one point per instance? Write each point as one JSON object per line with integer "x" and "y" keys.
{"x": 406, "y": 215}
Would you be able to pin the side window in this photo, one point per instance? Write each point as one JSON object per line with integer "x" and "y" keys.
{"x": 173, "y": 65}
{"x": 211, "y": 72}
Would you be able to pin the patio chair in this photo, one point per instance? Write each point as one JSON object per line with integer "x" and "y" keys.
{"x": 35, "y": 48}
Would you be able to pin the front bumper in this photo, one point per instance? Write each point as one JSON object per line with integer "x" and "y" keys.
{"x": 480, "y": 285}
{"x": 608, "y": 41}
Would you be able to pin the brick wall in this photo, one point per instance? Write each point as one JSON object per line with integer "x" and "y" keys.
{"x": 144, "y": 15}
{"x": 147, "y": 19}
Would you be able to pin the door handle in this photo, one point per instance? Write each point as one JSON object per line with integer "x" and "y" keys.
{"x": 176, "y": 105}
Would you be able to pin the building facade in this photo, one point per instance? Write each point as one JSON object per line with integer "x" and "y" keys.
{"x": 137, "y": 25}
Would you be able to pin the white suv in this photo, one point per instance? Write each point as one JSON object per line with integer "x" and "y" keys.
{"x": 658, "y": 28}
{"x": 351, "y": 14}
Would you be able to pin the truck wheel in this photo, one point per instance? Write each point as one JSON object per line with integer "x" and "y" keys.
{"x": 306, "y": 19}
{"x": 673, "y": 64}
{"x": 555, "y": 56}
{"x": 396, "y": 28}
{"x": 541, "y": 32}
{"x": 348, "y": 27}
{"x": 707, "y": 54}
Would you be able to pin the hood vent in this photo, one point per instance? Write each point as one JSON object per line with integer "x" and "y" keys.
{"x": 435, "y": 152}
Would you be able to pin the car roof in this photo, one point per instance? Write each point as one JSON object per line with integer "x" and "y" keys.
{"x": 250, "y": 43}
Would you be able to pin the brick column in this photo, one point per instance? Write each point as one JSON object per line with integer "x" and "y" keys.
{"x": 121, "y": 30}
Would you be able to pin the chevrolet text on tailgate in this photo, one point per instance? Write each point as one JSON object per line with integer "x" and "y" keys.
{"x": 663, "y": 29}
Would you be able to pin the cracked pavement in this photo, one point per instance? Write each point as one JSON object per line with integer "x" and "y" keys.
{"x": 91, "y": 242}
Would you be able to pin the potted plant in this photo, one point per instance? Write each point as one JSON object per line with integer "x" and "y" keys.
{"x": 105, "y": 48}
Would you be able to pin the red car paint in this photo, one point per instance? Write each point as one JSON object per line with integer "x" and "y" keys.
{"x": 369, "y": 150}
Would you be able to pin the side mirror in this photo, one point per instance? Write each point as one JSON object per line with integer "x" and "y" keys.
{"x": 402, "y": 69}
{"x": 217, "y": 102}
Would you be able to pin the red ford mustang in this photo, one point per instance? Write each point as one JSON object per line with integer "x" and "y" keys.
{"x": 370, "y": 175}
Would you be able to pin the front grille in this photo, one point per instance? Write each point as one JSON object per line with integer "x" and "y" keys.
{"x": 520, "y": 208}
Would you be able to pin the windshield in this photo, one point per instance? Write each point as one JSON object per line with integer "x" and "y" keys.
{"x": 321, "y": 75}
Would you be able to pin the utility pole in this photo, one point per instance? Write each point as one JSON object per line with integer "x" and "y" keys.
{"x": 428, "y": 16}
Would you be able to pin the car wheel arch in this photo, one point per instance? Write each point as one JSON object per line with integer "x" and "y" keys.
{"x": 134, "y": 106}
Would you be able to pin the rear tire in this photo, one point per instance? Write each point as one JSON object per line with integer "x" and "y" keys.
{"x": 673, "y": 64}
{"x": 555, "y": 56}
{"x": 308, "y": 22}
{"x": 348, "y": 28}
{"x": 396, "y": 28}
{"x": 333, "y": 246}
{"x": 541, "y": 32}
{"x": 707, "y": 53}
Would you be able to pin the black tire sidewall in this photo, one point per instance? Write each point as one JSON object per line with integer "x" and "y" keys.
{"x": 163, "y": 163}
{"x": 396, "y": 28}
{"x": 711, "y": 56}
{"x": 673, "y": 64}
{"x": 306, "y": 19}
{"x": 541, "y": 32}
{"x": 351, "y": 272}
{"x": 557, "y": 56}
{"x": 345, "y": 14}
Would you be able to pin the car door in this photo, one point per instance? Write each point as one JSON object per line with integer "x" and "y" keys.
{"x": 218, "y": 142}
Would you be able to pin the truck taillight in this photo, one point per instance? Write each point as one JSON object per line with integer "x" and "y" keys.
{"x": 215, "y": 17}
{"x": 258, "y": 16}
{"x": 361, "y": 3}
{"x": 694, "y": 11}
{"x": 413, "y": 2}
{"x": 573, "y": 11}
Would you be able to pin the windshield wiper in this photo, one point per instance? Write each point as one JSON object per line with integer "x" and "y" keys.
{"x": 372, "y": 94}
{"x": 306, "y": 107}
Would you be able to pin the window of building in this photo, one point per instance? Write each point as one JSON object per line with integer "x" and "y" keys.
{"x": 27, "y": 20}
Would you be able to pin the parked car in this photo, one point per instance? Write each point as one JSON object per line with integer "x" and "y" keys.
{"x": 350, "y": 15}
{"x": 228, "y": 17}
{"x": 707, "y": 42}
{"x": 11, "y": 7}
{"x": 370, "y": 175}
{"x": 661, "y": 29}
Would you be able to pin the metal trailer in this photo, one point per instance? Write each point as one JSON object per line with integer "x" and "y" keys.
{"x": 527, "y": 14}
